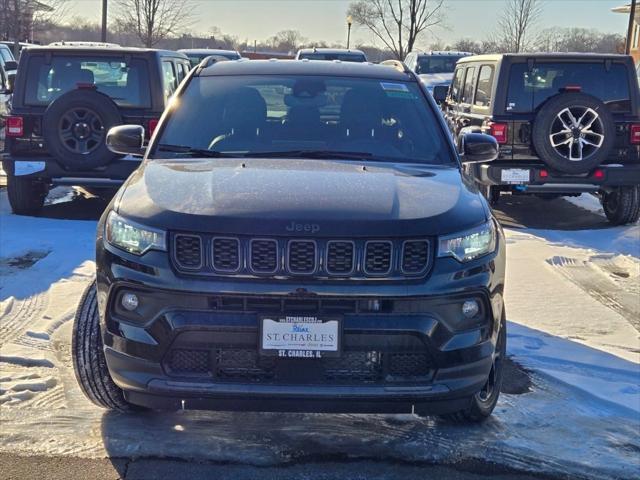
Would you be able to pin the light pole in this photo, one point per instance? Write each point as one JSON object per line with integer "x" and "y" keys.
{"x": 632, "y": 14}
{"x": 104, "y": 21}
{"x": 349, "y": 22}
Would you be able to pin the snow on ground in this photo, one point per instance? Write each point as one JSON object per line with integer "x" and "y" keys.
{"x": 571, "y": 307}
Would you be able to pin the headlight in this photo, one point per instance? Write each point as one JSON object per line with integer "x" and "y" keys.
{"x": 131, "y": 237}
{"x": 469, "y": 245}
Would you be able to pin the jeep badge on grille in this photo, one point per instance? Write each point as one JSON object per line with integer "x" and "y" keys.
{"x": 303, "y": 227}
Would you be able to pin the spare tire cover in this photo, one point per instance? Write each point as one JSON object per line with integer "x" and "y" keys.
{"x": 573, "y": 132}
{"x": 75, "y": 127}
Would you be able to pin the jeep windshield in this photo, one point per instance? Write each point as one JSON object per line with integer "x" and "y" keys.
{"x": 310, "y": 117}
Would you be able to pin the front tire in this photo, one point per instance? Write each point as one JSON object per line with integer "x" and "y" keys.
{"x": 26, "y": 195}
{"x": 622, "y": 205}
{"x": 89, "y": 362}
{"x": 482, "y": 403}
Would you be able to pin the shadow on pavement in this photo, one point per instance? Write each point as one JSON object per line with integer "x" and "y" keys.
{"x": 72, "y": 204}
{"x": 527, "y": 211}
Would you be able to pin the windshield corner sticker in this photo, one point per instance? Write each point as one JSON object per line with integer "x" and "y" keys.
{"x": 396, "y": 89}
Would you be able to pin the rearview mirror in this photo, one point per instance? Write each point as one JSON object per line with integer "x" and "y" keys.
{"x": 440, "y": 93}
{"x": 478, "y": 148}
{"x": 126, "y": 140}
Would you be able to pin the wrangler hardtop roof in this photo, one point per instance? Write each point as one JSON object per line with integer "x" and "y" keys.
{"x": 312, "y": 67}
{"x": 331, "y": 50}
{"x": 546, "y": 56}
{"x": 101, "y": 49}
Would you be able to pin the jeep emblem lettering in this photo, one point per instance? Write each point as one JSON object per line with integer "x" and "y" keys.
{"x": 303, "y": 227}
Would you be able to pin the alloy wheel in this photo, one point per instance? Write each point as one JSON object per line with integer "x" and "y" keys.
{"x": 577, "y": 133}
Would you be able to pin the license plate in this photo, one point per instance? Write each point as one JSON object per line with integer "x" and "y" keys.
{"x": 299, "y": 336}
{"x": 26, "y": 168}
{"x": 515, "y": 175}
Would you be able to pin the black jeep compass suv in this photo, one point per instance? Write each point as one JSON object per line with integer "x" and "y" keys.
{"x": 299, "y": 237}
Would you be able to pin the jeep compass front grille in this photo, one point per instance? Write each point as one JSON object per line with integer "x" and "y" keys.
{"x": 338, "y": 259}
{"x": 301, "y": 258}
{"x": 226, "y": 254}
{"x": 188, "y": 251}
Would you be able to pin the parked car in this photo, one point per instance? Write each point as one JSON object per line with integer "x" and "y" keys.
{"x": 11, "y": 46}
{"x": 196, "y": 55}
{"x": 331, "y": 259}
{"x": 65, "y": 100}
{"x": 434, "y": 67}
{"x": 342, "y": 54}
{"x": 7, "y": 60}
{"x": 566, "y": 124}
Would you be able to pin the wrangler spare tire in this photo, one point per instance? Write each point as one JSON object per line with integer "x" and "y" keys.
{"x": 573, "y": 133}
{"x": 75, "y": 127}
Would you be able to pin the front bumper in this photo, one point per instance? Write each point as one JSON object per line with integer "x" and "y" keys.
{"x": 602, "y": 177}
{"x": 194, "y": 342}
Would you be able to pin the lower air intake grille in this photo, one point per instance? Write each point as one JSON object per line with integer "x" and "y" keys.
{"x": 190, "y": 361}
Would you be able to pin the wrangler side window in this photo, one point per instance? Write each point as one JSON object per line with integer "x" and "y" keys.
{"x": 483, "y": 90}
{"x": 469, "y": 83}
{"x": 456, "y": 85}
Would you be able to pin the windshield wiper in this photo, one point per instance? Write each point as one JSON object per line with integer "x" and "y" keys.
{"x": 320, "y": 154}
{"x": 194, "y": 152}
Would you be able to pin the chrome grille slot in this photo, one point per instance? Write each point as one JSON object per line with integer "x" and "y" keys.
{"x": 302, "y": 257}
{"x": 226, "y": 254}
{"x": 378, "y": 257}
{"x": 340, "y": 257}
{"x": 263, "y": 255}
{"x": 415, "y": 256}
{"x": 188, "y": 251}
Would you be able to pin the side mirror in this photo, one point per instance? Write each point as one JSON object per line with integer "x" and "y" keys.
{"x": 126, "y": 140}
{"x": 440, "y": 93}
{"x": 10, "y": 65}
{"x": 11, "y": 82}
{"x": 478, "y": 148}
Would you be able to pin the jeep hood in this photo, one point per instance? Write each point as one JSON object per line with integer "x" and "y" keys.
{"x": 334, "y": 198}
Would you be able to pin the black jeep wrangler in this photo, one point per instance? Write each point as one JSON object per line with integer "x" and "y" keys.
{"x": 566, "y": 124}
{"x": 65, "y": 99}
{"x": 298, "y": 237}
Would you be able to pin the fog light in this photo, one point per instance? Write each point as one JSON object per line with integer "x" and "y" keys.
{"x": 470, "y": 308}
{"x": 129, "y": 301}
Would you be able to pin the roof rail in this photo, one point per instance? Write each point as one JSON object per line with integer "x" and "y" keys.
{"x": 397, "y": 64}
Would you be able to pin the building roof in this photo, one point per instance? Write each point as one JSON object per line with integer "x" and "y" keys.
{"x": 311, "y": 67}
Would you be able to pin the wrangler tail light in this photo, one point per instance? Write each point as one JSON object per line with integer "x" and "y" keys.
{"x": 15, "y": 127}
{"x": 499, "y": 131}
{"x": 635, "y": 134}
{"x": 153, "y": 123}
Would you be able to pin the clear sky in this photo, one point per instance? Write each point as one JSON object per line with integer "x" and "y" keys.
{"x": 326, "y": 19}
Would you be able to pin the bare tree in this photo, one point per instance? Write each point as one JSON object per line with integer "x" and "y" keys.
{"x": 516, "y": 23}
{"x": 397, "y": 23}
{"x": 154, "y": 20}
{"x": 25, "y": 20}
{"x": 574, "y": 39}
{"x": 287, "y": 40}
